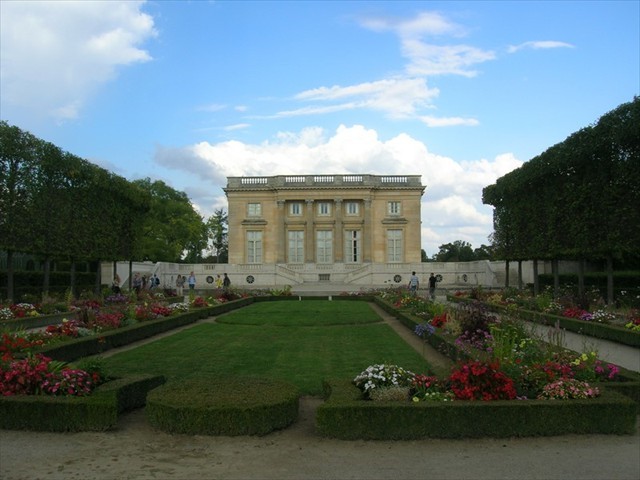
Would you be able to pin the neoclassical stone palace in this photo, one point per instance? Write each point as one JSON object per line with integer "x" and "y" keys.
{"x": 324, "y": 227}
{"x": 325, "y": 233}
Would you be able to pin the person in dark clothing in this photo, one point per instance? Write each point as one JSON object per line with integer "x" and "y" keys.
{"x": 432, "y": 286}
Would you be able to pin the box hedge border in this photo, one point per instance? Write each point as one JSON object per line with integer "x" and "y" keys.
{"x": 346, "y": 415}
{"x": 96, "y": 412}
{"x": 227, "y": 406}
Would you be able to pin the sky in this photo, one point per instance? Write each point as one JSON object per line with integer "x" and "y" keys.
{"x": 191, "y": 92}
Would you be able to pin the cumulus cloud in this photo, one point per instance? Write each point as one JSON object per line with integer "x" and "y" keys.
{"x": 539, "y": 45}
{"x": 454, "y": 189}
{"x": 56, "y": 54}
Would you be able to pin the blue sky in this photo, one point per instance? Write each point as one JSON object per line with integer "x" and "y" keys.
{"x": 192, "y": 92}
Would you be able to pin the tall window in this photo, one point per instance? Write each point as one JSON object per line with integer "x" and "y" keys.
{"x": 394, "y": 246}
{"x": 324, "y": 208}
{"x": 295, "y": 208}
{"x": 254, "y": 246}
{"x": 324, "y": 246}
{"x": 393, "y": 208}
{"x": 352, "y": 208}
{"x": 254, "y": 210}
{"x": 352, "y": 246}
{"x": 296, "y": 246}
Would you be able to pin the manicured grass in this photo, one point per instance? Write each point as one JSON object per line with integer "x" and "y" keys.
{"x": 304, "y": 313}
{"x": 302, "y": 355}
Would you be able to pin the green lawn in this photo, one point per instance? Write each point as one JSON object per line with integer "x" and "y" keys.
{"x": 301, "y": 342}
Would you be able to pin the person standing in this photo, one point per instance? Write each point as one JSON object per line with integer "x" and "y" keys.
{"x": 115, "y": 286}
{"x": 432, "y": 286}
{"x": 218, "y": 282}
{"x": 137, "y": 283}
{"x": 226, "y": 283}
{"x": 414, "y": 284}
{"x": 180, "y": 285}
{"x": 192, "y": 281}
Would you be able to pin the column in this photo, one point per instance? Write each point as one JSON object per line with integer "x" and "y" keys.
{"x": 282, "y": 234}
{"x": 367, "y": 231}
{"x": 309, "y": 234}
{"x": 339, "y": 234}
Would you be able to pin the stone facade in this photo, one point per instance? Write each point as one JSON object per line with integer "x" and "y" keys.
{"x": 330, "y": 223}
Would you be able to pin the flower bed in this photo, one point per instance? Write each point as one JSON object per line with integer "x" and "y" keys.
{"x": 95, "y": 344}
{"x": 571, "y": 319}
{"x": 95, "y": 412}
{"x": 345, "y": 414}
{"x": 521, "y": 392}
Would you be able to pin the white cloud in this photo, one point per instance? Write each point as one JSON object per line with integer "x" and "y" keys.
{"x": 538, "y": 45}
{"x": 451, "y": 206}
{"x": 401, "y": 96}
{"x": 212, "y": 107}
{"x": 397, "y": 97}
{"x": 431, "y": 121}
{"x": 425, "y": 23}
{"x": 428, "y": 59}
{"x": 237, "y": 126}
{"x": 54, "y": 55}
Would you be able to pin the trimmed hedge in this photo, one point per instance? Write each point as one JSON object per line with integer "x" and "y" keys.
{"x": 592, "y": 329}
{"x": 346, "y": 415}
{"x": 96, "y": 412}
{"x": 223, "y": 406}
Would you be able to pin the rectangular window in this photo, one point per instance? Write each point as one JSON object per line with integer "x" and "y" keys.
{"x": 295, "y": 208}
{"x": 393, "y": 208}
{"x": 324, "y": 246}
{"x": 352, "y": 208}
{"x": 352, "y": 248}
{"x": 324, "y": 208}
{"x": 296, "y": 246}
{"x": 254, "y": 246}
{"x": 394, "y": 246}
{"x": 254, "y": 210}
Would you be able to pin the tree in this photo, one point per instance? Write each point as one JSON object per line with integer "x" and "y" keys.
{"x": 217, "y": 227}
{"x": 172, "y": 229}
{"x": 484, "y": 252}
{"x": 18, "y": 168}
{"x": 458, "y": 251}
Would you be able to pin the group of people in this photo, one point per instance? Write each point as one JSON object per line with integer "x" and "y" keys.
{"x": 191, "y": 282}
{"x": 141, "y": 282}
{"x": 181, "y": 280}
{"x": 414, "y": 285}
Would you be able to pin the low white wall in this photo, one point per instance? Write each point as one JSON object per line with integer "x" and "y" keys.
{"x": 451, "y": 275}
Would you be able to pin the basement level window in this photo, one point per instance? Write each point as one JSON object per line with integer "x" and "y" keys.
{"x": 324, "y": 277}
